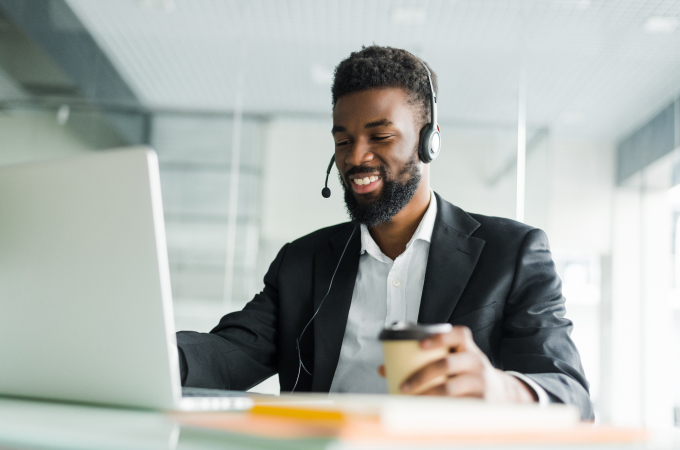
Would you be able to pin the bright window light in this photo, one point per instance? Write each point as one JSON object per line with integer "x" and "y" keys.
{"x": 674, "y": 195}
{"x": 661, "y": 25}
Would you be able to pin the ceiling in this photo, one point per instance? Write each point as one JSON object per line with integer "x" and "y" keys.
{"x": 592, "y": 70}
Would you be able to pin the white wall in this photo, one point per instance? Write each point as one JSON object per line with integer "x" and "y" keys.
{"x": 469, "y": 158}
{"x": 297, "y": 153}
{"x": 582, "y": 184}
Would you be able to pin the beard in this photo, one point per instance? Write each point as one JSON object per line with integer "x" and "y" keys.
{"x": 394, "y": 196}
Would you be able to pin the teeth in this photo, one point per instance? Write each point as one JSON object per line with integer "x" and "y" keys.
{"x": 365, "y": 180}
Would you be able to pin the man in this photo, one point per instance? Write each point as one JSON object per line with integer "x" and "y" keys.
{"x": 407, "y": 255}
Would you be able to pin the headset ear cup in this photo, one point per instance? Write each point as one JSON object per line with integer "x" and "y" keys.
{"x": 424, "y": 144}
{"x": 435, "y": 141}
{"x": 430, "y": 140}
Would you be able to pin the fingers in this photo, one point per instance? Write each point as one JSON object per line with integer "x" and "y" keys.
{"x": 465, "y": 385}
{"x": 453, "y": 364}
{"x": 459, "y": 374}
{"x": 458, "y": 339}
{"x": 425, "y": 375}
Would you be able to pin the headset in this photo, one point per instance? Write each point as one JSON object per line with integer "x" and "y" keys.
{"x": 428, "y": 150}
{"x": 430, "y": 141}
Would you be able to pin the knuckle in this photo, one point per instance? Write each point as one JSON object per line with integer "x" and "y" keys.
{"x": 478, "y": 363}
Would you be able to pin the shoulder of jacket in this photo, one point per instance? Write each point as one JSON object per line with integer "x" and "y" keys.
{"x": 501, "y": 227}
{"x": 479, "y": 224}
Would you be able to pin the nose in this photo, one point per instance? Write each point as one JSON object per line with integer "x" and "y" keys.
{"x": 358, "y": 154}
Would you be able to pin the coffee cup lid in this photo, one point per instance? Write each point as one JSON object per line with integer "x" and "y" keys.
{"x": 408, "y": 331}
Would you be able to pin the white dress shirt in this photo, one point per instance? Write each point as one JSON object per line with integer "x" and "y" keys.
{"x": 385, "y": 291}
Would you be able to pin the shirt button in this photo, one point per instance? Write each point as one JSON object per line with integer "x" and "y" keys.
{"x": 396, "y": 283}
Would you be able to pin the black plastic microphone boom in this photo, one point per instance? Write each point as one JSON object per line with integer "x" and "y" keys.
{"x": 326, "y": 192}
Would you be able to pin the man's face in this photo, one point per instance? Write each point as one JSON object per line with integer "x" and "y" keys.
{"x": 376, "y": 136}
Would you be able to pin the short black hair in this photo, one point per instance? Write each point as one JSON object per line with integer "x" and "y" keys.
{"x": 378, "y": 67}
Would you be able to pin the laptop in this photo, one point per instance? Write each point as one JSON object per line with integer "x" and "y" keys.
{"x": 85, "y": 302}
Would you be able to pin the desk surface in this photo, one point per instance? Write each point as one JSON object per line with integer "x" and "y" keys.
{"x": 44, "y": 425}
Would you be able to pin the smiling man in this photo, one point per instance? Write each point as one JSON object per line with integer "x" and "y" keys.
{"x": 407, "y": 255}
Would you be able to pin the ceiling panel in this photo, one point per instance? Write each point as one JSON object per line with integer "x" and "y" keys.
{"x": 592, "y": 70}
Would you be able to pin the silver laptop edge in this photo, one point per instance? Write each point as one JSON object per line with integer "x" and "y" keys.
{"x": 164, "y": 271}
{"x": 85, "y": 285}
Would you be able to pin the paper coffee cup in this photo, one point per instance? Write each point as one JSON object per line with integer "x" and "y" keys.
{"x": 403, "y": 355}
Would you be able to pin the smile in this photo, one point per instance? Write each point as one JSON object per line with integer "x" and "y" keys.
{"x": 364, "y": 185}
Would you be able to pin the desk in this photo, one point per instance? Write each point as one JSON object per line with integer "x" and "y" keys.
{"x": 44, "y": 425}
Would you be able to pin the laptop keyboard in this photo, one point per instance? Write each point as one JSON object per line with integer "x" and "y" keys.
{"x": 201, "y": 392}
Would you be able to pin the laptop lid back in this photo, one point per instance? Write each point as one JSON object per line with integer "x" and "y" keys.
{"x": 85, "y": 300}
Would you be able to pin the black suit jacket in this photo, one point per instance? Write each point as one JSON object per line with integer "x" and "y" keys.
{"x": 493, "y": 275}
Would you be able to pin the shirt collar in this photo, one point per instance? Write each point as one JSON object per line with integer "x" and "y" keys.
{"x": 423, "y": 233}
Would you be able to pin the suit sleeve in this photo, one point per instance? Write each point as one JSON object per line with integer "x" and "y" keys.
{"x": 536, "y": 335}
{"x": 241, "y": 351}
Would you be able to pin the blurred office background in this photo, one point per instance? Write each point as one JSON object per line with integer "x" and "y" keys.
{"x": 235, "y": 98}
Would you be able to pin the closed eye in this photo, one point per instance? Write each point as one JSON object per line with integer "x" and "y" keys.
{"x": 381, "y": 138}
{"x": 341, "y": 143}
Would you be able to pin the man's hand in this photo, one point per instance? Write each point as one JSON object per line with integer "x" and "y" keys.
{"x": 465, "y": 372}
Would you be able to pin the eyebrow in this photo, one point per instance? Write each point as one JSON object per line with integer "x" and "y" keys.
{"x": 375, "y": 124}
{"x": 378, "y": 123}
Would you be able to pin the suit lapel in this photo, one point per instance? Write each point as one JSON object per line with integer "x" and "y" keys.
{"x": 331, "y": 320}
{"x": 452, "y": 259}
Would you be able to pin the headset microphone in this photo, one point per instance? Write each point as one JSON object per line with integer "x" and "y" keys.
{"x": 326, "y": 192}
